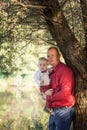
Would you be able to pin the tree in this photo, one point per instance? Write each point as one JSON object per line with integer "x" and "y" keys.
{"x": 72, "y": 51}
{"x": 74, "y": 56}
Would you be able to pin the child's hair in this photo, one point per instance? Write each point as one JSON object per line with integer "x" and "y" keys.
{"x": 43, "y": 58}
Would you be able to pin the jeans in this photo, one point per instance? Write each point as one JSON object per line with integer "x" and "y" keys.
{"x": 62, "y": 118}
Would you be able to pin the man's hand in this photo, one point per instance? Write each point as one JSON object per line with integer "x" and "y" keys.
{"x": 49, "y": 92}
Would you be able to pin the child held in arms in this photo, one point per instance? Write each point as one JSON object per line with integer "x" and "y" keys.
{"x": 42, "y": 79}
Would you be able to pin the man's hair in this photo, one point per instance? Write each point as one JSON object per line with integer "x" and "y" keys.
{"x": 43, "y": 58}
{"x": 55, "y": 49}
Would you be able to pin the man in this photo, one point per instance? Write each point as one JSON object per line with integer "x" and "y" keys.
{"x": 62, "y": 97}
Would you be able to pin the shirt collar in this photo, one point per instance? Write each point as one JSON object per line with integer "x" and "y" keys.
{"x": 56, "y": 67}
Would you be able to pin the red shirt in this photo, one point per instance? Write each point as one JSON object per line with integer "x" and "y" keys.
{"x": 62, "y": 82}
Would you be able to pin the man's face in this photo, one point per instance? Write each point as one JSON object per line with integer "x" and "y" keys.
{"x": 42, "y": 65}
{"x": 53, "y": 57}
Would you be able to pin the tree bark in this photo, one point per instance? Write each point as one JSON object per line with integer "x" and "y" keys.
{"x": 74, "y": 56}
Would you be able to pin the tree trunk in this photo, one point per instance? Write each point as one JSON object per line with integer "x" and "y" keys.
{"x": 74, "y": 56}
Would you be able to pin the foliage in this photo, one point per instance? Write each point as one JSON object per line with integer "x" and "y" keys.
{"x": 23, "y": 27}
{"x": 73, "y": 13}
{"x": 21, "y": 31}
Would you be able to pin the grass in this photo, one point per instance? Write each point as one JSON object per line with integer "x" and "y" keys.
{"x": 21, "y": 107}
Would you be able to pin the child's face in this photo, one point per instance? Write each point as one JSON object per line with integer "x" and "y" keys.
{"x": 42, "y": 65}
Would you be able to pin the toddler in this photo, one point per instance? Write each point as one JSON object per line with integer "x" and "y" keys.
{"x": 42, "y": 79}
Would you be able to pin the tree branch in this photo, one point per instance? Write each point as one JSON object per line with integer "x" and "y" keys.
{"x": 46, "y": 41}
{"x": 29, "y": 5}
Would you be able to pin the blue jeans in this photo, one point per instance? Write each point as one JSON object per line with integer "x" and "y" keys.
{"x": 62, "y": 118}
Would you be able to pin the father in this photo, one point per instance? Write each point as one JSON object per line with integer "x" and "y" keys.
{"x": 62, "y": 97}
